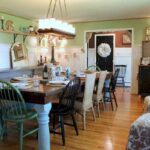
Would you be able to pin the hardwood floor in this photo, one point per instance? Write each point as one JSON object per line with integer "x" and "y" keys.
{"x": 109, "y": 132}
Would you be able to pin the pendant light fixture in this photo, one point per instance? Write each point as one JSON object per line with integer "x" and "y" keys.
{"x": 53, "y": 26}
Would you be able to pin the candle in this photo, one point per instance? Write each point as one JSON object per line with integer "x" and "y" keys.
{"x": 2, "y": 17}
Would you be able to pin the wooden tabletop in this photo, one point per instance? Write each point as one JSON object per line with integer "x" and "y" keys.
{"x": 42, "y": 94}
{"x": 45, "y": 93}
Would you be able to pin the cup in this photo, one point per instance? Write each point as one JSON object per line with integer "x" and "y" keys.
{"x": 35, "y": 81}
{"x": 24, "y": 78}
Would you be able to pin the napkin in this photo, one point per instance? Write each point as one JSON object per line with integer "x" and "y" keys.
{"x": 81, "y": 75}
{"x": 28, "y": 79}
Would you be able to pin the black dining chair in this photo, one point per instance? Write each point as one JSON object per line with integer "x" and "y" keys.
{"x": 109, "y": 90}
{"x": 121, "y": 75}
{"x": 65, "y": 108}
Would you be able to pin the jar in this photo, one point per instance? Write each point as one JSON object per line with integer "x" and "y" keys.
{"x": 35, "y": 81}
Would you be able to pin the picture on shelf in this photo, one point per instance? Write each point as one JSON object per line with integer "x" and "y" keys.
{"x": 126, "y": 38}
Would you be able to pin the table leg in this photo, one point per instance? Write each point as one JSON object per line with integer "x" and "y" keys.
{"x": 43, "y": 121}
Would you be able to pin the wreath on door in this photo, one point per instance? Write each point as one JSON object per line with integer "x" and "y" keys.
{"x": 104, "y": 50}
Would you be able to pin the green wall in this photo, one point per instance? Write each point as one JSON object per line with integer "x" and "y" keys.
{"x": 18, "y": 23}
{"x": 138, "y": 25}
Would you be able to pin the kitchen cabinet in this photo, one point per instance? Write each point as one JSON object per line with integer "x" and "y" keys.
{"x": 144, "y": 80}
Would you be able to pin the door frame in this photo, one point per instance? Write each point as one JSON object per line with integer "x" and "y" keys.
{"x": 107, "y": 34}
{"x": 112, "y": 30}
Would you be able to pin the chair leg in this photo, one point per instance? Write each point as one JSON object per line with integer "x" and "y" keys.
{"x": 3, "y": 132}
{"x": 123, "y": 82}
{"x": 54, "y": 119}
{"x": 98, "y": 109}
{"x": 21, "y": 135}
{"x": 75, "y": 124}
{"x": 115, "y": 99}
{"x": 93, "y": 113}
{"x": 103, "y": 104}
{"x": 62, "y": 129}
{"x": 84, "y": 121}
{"x": 111, "y": 101}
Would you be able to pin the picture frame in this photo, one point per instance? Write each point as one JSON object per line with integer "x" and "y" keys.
{"x": 147, "y": 34}
{"x": 18, "y": 51}
{"x": 19, "y": 55}
{"x": 126, "y": 38}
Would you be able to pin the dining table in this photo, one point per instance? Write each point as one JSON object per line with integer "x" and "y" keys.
{"x": 41, "y": 98}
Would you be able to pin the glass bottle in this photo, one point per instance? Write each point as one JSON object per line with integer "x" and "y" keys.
{"x": 68, "y": 71}
{"x": 45, "y": 72}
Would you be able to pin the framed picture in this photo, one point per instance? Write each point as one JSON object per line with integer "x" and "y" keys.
{"x": 18, "y": 51}
{"x": 147, "y": 34}
{"x": 126, "y": 38}
{"x": 18, "y": 55}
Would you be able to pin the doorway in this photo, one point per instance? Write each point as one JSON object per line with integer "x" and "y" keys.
{"x": 105, "y": 63}
{"x": 121, "y": 47}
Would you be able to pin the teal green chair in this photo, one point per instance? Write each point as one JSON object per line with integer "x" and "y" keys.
{"x": 13, "y": 109}
{"x": 93, "y": 68}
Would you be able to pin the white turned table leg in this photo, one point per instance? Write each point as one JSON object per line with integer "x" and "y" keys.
{"x": 43, "y": 122}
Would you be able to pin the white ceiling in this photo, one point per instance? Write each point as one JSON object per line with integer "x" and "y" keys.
{"x": 79, "y": 10}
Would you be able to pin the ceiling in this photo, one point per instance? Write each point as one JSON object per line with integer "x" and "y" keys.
{"x": 79, "y": 10}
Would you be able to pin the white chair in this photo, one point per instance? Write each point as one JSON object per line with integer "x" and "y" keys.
{"x": 98, "y": 97}
{"x": 84, "y": 104}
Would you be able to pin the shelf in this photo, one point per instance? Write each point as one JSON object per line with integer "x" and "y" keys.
{"x": 20, "y": 69}
{"x": 18, "y": 33}
{"x": 15, "y": 34}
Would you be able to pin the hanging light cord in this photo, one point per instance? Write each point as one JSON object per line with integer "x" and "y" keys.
{"x": 49, "y": 8}
{"x": 54, "y": 8}
{"x": 61, "y": 12}
{"x": 53, "y": 11}
{"x": 65, "y": 7}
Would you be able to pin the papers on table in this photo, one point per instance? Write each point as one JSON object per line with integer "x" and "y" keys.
{"x": 80, "y": 75}
{"x": 20, "y": 85}
{"x": 59, "y": 82}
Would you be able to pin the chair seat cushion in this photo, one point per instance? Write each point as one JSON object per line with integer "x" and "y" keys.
{"x": 30, "y": 114}
{"x": 80, "y": 96}
{"x": 78, "y": 106}
{"x": 94, "y": 98}
{"x": 61, "y": 110}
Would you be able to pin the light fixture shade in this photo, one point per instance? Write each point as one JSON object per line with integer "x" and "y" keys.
{"x": 56, "y": 28}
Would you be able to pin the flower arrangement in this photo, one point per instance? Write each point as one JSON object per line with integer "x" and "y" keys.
{"x": 104, "y": 49}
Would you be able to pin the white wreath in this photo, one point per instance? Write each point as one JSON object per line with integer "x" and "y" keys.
{"x": 104, "y": 50}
